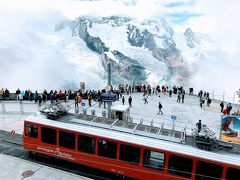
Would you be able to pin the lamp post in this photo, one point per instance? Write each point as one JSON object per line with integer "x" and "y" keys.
{"x": 109, "y": 89}
{"x": 238, "y": 101}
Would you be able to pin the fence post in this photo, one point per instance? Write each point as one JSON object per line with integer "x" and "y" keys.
{"x": 3, "y": 107}
{"x": 152, "y": 122}
{"x": 21, "y": 107}
{"x": 223, "y": 95}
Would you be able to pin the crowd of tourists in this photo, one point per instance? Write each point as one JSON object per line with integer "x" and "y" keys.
{"x": 120, "y": 91}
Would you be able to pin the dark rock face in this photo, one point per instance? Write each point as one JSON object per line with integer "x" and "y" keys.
{"x": 127, "y": 70}
{"x": 136, "y": 38}
{"x": 130, "y": 68}
{"x": 93, "y": 43}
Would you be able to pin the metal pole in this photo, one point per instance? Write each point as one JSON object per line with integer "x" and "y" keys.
{"x": 3, "y": 107}
{"x": 109, "y": 83}
{"x": 223, "y": 95}
{"x": 21, "y": 107}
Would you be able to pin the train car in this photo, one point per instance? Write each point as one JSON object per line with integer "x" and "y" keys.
{"x": 78, "y": 139}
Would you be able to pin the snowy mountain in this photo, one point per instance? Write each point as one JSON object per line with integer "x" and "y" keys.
{"x": 139, "y": 52}
{"x": 59, "y": 53}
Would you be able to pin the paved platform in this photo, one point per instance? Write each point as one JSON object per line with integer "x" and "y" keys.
{"x": 12, "y": 168}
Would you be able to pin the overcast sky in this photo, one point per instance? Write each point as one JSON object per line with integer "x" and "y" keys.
{"x": 217, "y": 18}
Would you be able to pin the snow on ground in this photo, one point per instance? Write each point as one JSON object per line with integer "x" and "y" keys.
{"x": 187, "y": 113}
{"x": 13, "y": 168}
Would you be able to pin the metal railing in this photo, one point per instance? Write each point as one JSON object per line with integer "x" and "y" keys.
{"x": 21, "y": 107}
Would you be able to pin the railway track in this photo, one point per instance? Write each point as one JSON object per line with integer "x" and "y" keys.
{"x": 13, "y": 147}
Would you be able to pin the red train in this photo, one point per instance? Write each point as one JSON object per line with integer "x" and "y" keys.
{"x": 124, "y": 153}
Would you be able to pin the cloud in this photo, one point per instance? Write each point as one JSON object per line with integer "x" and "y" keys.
{"x": 180, "y": 3}
{"x": 182, "y": 17}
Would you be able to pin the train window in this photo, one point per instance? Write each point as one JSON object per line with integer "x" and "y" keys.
{"x": 31, "y": 131}
{"x": 153, "y": 159}
{"x": 86, "y": 144}
{"x": 129, "y": 153}
{"x": 107, "y": 149}
{"x": 233, "y": 174}
{"x": 48, "y": 135}
{"x": 67, "y": 140}
{"x": 206, "y": 170}
{"x": 181, "y": 166}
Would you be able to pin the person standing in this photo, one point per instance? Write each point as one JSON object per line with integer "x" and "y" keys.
{"x": 202, "y": 101}
{"x": 209, "y": 102}
{"x": 222, "y": 106}
{"x": 160, "y": 108}
{"x": 178, "y": 97}
{"x": 1, "y": 93}
{"x": 130, "y": 101}
{"x": 145, "y": 97}
{"x": 36, "y": 96}
{"x": 199, "y": 125}
{"x": 89, "y": 100}
{"x": 76, "y": 101}
{"x": 229, "y": 108}
{"x": 123, "y": 100}
{"x": 183, "y": 96}
{"x": 40, "y": 99}
{"x": 18, "y": 93}
{"x": 23, "y": 95}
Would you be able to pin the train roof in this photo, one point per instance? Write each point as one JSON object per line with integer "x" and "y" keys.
{"x": 70, "y": 122}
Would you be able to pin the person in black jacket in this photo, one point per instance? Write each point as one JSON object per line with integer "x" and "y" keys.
{"x": 160, "y": 108}
{"x": 18, "y": 94}
{"x": 123, "y": 100}
{"x": 209, "y": 102}
{"x": 199, "y": 125}
{"x": 130, "y": 101}
{"x": 6, "y": 94}
{"x": 222, "y": 106}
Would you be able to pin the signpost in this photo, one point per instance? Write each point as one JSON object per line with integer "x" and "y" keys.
{"x": 83, "y": 104}
{"x": 174, "y": 118}
{"x": 238, "y": 97}
{"x": 109, "y": 97}
{"x": 230, "y": 128}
